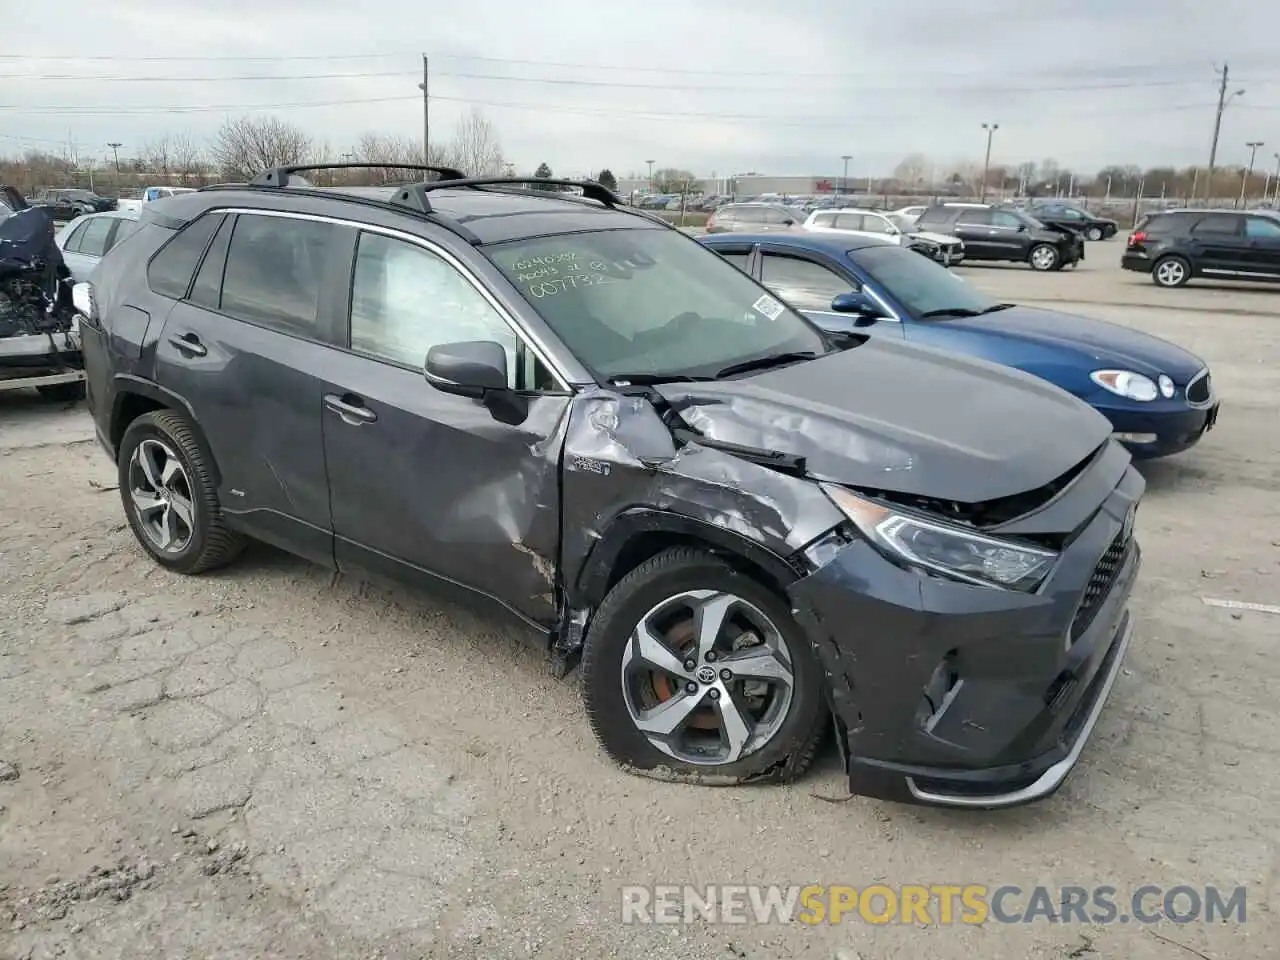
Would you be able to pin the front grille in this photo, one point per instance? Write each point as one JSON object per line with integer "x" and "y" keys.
{"x": 1101, "y": 582}
{"x": 1198, "y": 390}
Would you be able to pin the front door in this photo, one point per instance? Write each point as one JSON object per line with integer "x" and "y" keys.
{"x": 243, "y": 346}
{"x": 809, "y": 282}
{"x": 1220, "y": 245}
{"x": 1263, "y": 253}
{"x": 424, "y": 484}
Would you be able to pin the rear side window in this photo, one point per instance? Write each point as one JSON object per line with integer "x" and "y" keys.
{"x": 977, "y": 216}
{"x": 824, "y": 220}
{"x": 125, "y": 228}
{"x": 170, "y": 270}
{"x": 1217, "y": 223}
{"x": 275, "y": 269}
{"x": 737, "y": 257}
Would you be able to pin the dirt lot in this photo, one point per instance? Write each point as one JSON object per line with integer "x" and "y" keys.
{"x": 271, "y": 762}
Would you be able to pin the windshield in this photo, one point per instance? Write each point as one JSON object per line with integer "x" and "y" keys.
{"x": 918, "y": 283}
{"x": 651, "y": 303}
{"x": 902, "y": 223}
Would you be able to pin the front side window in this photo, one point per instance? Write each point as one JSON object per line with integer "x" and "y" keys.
{"x": 274, "y": 272}
{"x": 1008, "y": 221}
{"x": 874, "y": 224}
{"x": 650, "y": 302}
{"x": 1261, "y": 227}
{"x": 406, "y": 300}
{"x": 804, "y": 284}
{"x": 981, "y": 218}
{"x": 73, "y": 241}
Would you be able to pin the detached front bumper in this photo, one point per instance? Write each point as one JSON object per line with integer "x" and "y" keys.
{"x": 39, "y": 360}
{"x": 966, "y": 696}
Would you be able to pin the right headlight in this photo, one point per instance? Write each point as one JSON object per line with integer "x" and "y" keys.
{"x": 1126, "y": 383}
{"x": 952, "y": 551}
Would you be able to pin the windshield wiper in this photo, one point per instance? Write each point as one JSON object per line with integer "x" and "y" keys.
{"x": 764, "y": 363}
{"x": 649, "y": 379}
{"x": 996, "y": 307}
{"x": 951, "y": 312}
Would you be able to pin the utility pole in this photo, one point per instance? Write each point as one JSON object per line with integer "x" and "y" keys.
{"x": 1223, "y": 100}
{"x": 115, "y": 146}
{"x": 426, "y": 116}
{"x": 1253, "y": 146}
{"x": 991, "y": 128}
{"x": 844, "y": 183}
{"x": 1277, "y": 179}
{"x": 650, "y": 163}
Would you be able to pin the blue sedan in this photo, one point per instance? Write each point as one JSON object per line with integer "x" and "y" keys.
{"x": 1159, "y": 398}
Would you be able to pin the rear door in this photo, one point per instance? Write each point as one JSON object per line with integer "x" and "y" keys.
{"x": 1219, "y": 245}
{"x": 246, "y": 346}
{"x": 973, "y": 226}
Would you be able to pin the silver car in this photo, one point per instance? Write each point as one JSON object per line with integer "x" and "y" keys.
{"x": 85, "y": 240}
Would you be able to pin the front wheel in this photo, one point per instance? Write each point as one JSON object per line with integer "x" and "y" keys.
{"x": 1044, "y": 256}
{"x": 693, "y": 670}
{"x": 1093, "y": 233}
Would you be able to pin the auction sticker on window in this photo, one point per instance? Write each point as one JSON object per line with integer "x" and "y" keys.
{"x": 770, "y": 307}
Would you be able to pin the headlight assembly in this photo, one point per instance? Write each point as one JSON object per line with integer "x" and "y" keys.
{"x": 1126, "y": 383}
{"x": 952, "y": 551}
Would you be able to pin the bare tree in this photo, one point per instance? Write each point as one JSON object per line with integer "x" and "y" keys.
{"x": 157, "y": 154}
{"x": 911, "y": 171}
{"x": 245, "y": 146}
{"x": 188, "y": 162}
{"x": 476, "y": 147}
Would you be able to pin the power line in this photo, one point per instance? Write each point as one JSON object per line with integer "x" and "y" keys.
{"x": 614, "y": 84}
{"x": 603, "y": 111}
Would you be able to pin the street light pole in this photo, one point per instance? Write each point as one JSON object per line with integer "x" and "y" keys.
{"x": 1277, "y": 179}
{"x": 1253, "y": 146}
{"x": 115, "y": 146}
{"x": 426, "y": 117}
{"x": 650, "y": 163}
{"x": 991, "y": 128}
{"x": 844, "y": 183}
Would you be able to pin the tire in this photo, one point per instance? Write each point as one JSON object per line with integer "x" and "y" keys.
{"x": 1044, "y": 257}
{"x": 199, "y": 537}
{"x": 787, "y": 728}
{"x": 63, "y": 392}
{"x": 1093, "y": 233}
{"x": 1171, "y": 272}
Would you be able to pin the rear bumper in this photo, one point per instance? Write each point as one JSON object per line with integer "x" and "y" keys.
{"x": 1139, "y": 262}
{"x": 964, "y": 696}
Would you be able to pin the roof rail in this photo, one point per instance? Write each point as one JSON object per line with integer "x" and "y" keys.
{"x": 414, "y": 195}
{"x": 279, "y": 176}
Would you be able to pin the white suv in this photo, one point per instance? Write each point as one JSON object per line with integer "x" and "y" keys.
{"x": 946, "y": 250}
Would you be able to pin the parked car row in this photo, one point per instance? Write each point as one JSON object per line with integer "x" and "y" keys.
{"x": 756, "y": 485}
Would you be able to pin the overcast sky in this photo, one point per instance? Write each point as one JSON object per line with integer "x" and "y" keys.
{"x": 713, "y": 86}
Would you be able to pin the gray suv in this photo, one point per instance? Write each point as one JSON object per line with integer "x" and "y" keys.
{"x": 552, "y": 404}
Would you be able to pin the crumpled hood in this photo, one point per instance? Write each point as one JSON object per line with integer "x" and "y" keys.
{"x": 890, "y": 416}
{"x": 1109, "y": 345}
{"x": 939, "y": 238}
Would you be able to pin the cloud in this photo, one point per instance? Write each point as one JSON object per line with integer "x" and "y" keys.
{"x": 713, "y": 86}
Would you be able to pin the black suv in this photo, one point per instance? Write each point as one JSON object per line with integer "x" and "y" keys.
{"x": 1178, "y": 245}
{"x": 993, "y": 232}
{"x": 1056, "y": 213}
{"x": 557, "y": 405}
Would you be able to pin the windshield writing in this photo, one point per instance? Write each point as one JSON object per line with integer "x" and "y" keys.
{"x": 650, "y": 303}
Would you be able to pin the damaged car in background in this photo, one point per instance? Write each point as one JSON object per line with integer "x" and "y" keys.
{"x": 740, "y": 526}
{"x": 39, "y": 342}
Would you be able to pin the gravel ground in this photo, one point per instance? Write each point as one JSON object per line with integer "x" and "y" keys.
{"x": 274, "y": 762}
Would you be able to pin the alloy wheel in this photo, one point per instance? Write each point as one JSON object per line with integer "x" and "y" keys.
{"x": 1170, "y": 273}
{"x": 160, "y": 491}
{"x": 707, "y": 677}
{"x": 1093, "y": 233}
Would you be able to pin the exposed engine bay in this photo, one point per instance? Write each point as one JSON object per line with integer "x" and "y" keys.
{"x": 35, "y": 284}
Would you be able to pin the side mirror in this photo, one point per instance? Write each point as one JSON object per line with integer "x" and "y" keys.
{"x": 472, "y": 368}
{"x": 855, "y": 302}
{"x": 1022, "y": 228}
{"x": 788, "y": 223}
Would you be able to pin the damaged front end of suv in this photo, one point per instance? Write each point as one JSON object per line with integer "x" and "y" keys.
{"x": 39, "y": 344}
{"x": 961, "y": 589}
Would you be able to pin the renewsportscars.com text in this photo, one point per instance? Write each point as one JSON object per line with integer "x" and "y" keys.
{"x": 940, "y": 904}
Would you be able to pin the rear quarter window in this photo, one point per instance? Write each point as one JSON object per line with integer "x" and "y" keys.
{"x": 170, "y": 271}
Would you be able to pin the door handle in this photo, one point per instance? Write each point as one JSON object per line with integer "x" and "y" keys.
{"x": 350, "y": 408}
{"x": 189, "y": 344}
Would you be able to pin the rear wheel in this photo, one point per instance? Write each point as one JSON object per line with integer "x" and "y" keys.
{"x": 169, "y": 496}
{"x": 1044, "y": 256}
{"x": 1170, "y": 272}
{"x": 695, "y": 671}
